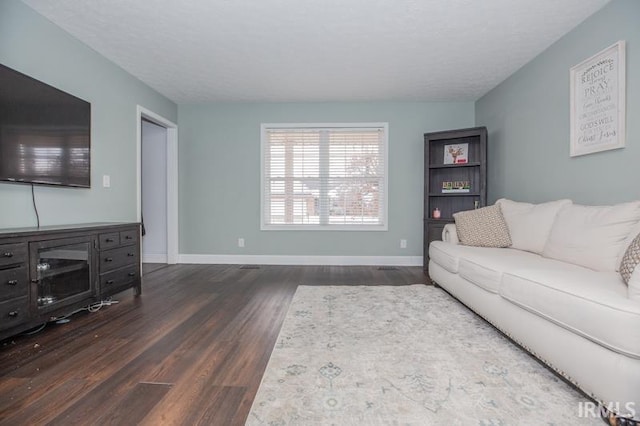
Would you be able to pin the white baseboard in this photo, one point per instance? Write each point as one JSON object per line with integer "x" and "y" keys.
{"x": 154, "y": 258}
{"x": 300, "y": 260}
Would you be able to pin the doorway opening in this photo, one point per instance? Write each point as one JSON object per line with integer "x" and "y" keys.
{"x": 157, "y": 187}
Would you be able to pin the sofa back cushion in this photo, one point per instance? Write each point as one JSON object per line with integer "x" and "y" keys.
{"x": 530, "y": 224}
{"x": 592, "y": 236}
{"x": 484, "y": 227}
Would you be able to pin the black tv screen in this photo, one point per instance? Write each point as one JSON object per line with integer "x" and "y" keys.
{"x": 45, "y": 133}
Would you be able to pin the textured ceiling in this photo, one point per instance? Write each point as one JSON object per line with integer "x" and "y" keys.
{"x": 197, "y": 51}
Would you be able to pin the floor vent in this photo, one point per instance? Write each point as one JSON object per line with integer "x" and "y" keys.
{"x": 387, "y": 268}
{"x": 249, "y": 267}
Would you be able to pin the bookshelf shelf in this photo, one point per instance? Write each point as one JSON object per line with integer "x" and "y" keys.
{"x": 453, "y": 166}
{"x": 457, "y": 194}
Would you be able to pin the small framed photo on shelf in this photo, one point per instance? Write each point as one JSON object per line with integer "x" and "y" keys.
{"x": 456, "y": 154}
{"x": 456, "y": 187}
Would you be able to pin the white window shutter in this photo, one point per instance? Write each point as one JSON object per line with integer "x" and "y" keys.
{"x": 324, "y": 177}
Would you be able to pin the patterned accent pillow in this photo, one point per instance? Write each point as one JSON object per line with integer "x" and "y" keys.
{"x": 483, "y": 227}
{"x": 630, "y": 260}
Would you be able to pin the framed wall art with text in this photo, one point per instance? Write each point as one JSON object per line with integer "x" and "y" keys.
{"x": 598, "y": 102}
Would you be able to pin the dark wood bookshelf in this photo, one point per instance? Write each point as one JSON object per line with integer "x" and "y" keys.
{"x": 473, "y": 171}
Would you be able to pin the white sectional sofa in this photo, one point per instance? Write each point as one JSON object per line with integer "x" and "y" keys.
{"x": 558, "y": 292}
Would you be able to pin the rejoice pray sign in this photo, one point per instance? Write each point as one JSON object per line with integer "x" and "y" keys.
{"x": 598, "y": 102}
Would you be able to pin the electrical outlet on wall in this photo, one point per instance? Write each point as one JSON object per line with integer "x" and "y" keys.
{"x": 240, "y": 242}
{"x": 403, "y": 243}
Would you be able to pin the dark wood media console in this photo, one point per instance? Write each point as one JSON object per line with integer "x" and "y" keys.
{"x": 48, "y": 272}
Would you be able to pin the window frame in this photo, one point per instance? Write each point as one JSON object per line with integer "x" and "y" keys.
{"x": 265, "y": 127}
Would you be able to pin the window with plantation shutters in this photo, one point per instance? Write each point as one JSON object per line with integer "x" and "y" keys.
{"x": 324, "y": 176}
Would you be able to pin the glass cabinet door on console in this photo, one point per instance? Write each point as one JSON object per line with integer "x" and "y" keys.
{"x": 63, "y": 272}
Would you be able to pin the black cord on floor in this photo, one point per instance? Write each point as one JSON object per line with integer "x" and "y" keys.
{"x": 35, "y": 208}
{"x": 34, "y": 331}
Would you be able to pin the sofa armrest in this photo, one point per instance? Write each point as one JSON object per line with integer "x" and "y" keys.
{"x": 450, "y": 234}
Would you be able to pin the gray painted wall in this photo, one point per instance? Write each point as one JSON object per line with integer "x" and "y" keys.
{"x": 528, "y": 121}
{"x": 527, "y": 116}
{"x": 220, "y": 176}
{"x": 34, "y": 46}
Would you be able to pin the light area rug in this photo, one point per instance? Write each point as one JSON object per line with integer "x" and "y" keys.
{"x": 408, "y": 355}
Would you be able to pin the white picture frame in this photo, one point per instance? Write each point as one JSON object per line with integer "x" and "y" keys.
{"x": 456, "y": 153}
{"x": 598, "y": 109}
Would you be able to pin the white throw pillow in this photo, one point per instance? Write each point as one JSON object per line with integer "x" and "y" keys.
{"x": 530, "y": 224}
{"x": 592, "y": 236}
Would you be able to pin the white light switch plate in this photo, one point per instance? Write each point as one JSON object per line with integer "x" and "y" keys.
{"x": 106, "y": 181}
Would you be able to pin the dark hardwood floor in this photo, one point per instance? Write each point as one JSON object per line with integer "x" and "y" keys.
{"x": 191, "y": 350}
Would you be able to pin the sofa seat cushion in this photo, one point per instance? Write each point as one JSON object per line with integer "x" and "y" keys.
{"x": 482, "y": 266}
{"x": 449, "y": 255}
{"x": 483, "y": 274}
{"x": 592, "y": 304}
{"x": 485, "y": 268}
{"x": 446, "y": 255}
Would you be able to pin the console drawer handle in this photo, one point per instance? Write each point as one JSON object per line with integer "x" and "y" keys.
{"x": 13, "y": 314}
{"x": 109, "y": 259}
{"x": 7, "y": 254}
{"x": 132, "y": 274}
{"x": 110, "y": 281}
{"x": 128, "y": 237}
{"x": 109, "y": 240}
{"x": 12, "y": 282}
{"x": 131, "y": 254}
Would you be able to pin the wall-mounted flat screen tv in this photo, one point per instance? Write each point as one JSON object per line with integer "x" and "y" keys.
{"x": 45, "y": 133}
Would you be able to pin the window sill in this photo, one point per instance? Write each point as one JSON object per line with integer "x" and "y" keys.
{"x": 357, "y": 228}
